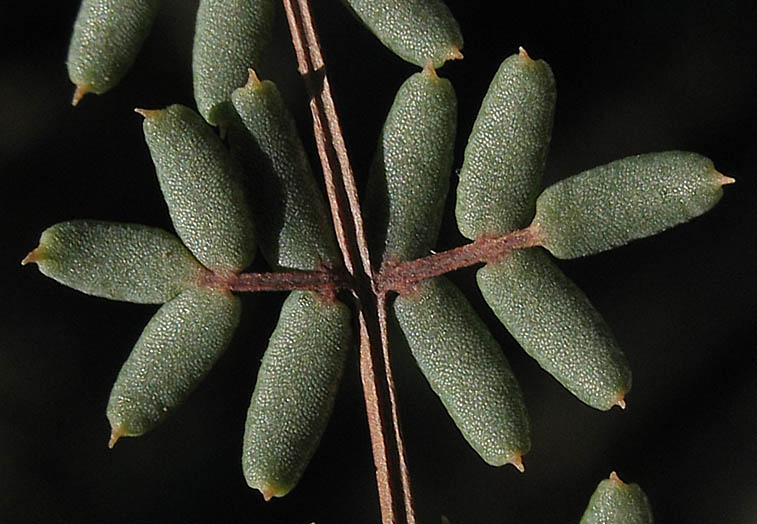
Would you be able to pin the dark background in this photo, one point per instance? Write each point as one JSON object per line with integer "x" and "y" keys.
{"x": 632, "y": 77}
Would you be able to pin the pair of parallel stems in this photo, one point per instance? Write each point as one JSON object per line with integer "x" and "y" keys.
{"x": 368, "y": 289}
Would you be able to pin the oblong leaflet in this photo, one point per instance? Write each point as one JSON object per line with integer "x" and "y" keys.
{"x": 289, "y": 207}
{"x": 203, "y": 188}
{"x": 419, "y": 31}
{"x": 507, "y": 150}
{"x": 631, "y": 198}
{"x": 295, "y": 391}
{"x": 555, "y": 323}
{"x": 410, "y": 173}
{"x": 174, "y": 353}
{"x": 106, "y": 39}
{"x": 466, "y": 368}
{"x": 129, "y": 262}
{"x": 230, "y": 37}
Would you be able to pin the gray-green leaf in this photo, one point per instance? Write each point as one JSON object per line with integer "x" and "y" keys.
{"x": 631, "y": 198}
{"x": 174, "y": 353}
{"x": 230, "y": 37}
{"x": 615, "y": 502}
{"x": 507, "y": 150}
{"x": 556, "y": 324}
{"x": 410, "y": 173}
{"x": 295, "y": 226}
{"x": 107, "y": 37}
{"x": 128, "y": 262}
{"x": 295, "y": 391}
{"x": 203, "y": 188}
{"x": 419, "y": 31}
{"x": 466, "y": 367}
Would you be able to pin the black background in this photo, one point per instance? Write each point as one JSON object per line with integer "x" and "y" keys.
{"x": 632, "y": 77}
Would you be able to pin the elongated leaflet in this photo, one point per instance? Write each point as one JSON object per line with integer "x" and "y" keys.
{"x": 556, "y": 324}
{"x": 419, "y": 31}
{"x": 507, "y": 150}
{"x": 202, "y": 187}
{"x": 107, "y": 37}
{"x": 175, "y": 351}
{"x": 631, "y": 198}
{"x": 615, "y": 502}
{"x": 466, "y": 367}
{"x": 295, "y": 227}
{"x": 128, "y": 262}
{"x": 295, "y": 391}
{"x": 230, "y": 37}
{"x": 410, "y": 172}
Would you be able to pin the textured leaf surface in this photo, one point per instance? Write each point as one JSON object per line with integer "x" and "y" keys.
{"x": 631, "y": 198}
{"x": 295, "y": 391}
{"x": 107, "y": 37}
{"x": 295, "y": 227}
{"x": 507, "y": 150}
{"x": 202, "y": 187}
{"x": 230, "y": 37}
{"x": 418, "y": 31}
{"x": 128, "y": 262}
{"x": 615, "y": 502}
{"x": 174, "y": 353}
{"x": 556, "y": 324}
{"x": 410, "y": 173}
{"x": 466, "y": 367}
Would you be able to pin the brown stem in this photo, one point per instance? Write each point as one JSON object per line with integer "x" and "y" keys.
{"x": 404, "y": 471}
{"x": 328, "y": 282}
{"x": 392, "y": 477}
{"x": 337, "y": 170}
{"x": 402, "y": 277}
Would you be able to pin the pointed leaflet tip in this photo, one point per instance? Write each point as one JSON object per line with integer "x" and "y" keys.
{"x": 523, "y": 53}
{"x": 79, "y": 92}
{"x": 147, "y": 113}
{"x": 615, "y": 478}
{"x": 267, "y": 492}
{"x": 724, "y": 180}
{"x": 455, "y": 54}
{"x": 115, "y": 433}
{"x": 621, "y": 402}
{"x": 517, "y": 462}
{"x": 270, "y": 490}
{"x": 34, "y": 255}
{"x": 253, "y": 80}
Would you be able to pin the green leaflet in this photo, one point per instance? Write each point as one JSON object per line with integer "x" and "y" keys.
{"x": 128, "y": 262}
{"x": 410, "y": 172}
{"x": 295, "y": 227}
{"x": 556, "y": 324}
{"x": 295, "y": 391}
{"x": 230, "y": 37}
{"x": 419, "y": 31}
{"x": 202, "y": 187}
{"x": 507, "y": 150}
{"x": 107, "y": 37}
{"x": 174, "y": 353}
{"x": 466, "y": 367}
{"x": 615, "y": 502}
{"x": 631, "y": 198}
